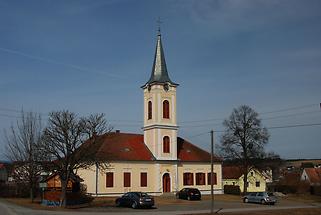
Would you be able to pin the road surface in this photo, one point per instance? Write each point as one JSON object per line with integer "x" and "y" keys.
{"x": 7, "y": 208}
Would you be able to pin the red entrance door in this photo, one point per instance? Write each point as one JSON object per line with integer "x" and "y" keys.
{"x": 166, "y": 183}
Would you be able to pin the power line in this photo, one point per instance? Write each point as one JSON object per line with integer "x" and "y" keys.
{"x": 135, "y": 122}
{"x": 10, "y": 110}
{"x": 288, "y": 115}
{"x": 295, "y": 125}
{"x": 272, "y": 127}
{"x": 199, "y": 134}
{"x": 291, "y": 108}
{"x": 261, "y": 113}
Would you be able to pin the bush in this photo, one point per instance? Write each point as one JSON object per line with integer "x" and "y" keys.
{"x": 232, "y": 189}
{"x": 315, "y": 190}
{"x": 14, "y": 190}
{"x": 72, "y": 198}
{"x": 299, "y": 188}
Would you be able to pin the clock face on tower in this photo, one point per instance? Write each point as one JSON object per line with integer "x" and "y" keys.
{"x": 166, "y": 87}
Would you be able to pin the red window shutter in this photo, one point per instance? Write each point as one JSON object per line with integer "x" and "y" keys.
{"x": 188, "y": 178}
{"x": 185, "y": 175}
{"x": 197, "y": 178}
{"x": 200, "y": 178}
{"x": 166, "y": 109}
{"x": 191, "y": 179}
{"x": 143, "y": 179}
{"x": 126, "y": 179}
{"x": 215, "y": 179}
{"x": 209, "y": 178}
{"x": 166, "y": 145}
{"x": 150, "y": 110}
{"x": 109, "y": 179}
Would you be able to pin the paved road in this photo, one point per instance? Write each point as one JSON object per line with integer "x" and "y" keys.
{"x": 194, "y": 207}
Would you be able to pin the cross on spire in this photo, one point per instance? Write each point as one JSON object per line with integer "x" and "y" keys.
{"x": 159, "y": 22}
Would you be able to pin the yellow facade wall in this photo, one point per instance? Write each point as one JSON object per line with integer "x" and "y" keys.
{"x": 155, "y": 172}
{"x": 253, "y": 177}
{"x": 202, "y": 168}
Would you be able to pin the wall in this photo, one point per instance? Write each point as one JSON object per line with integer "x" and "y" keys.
{"x": 155, "y": 172}
{"x": 205, "y": 168}
{"x": 118, "y": 169}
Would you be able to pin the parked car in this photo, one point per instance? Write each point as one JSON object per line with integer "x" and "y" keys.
{"x": 135, "y": 200}
{"x": 260, "y": 197}
{"x": 189, "y": 194}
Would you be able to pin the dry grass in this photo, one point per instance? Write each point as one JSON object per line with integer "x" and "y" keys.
{"x": 302, "y": 211}
{"x": 36, "y": 205}
{"x": 110, "y": 201}
{"x": 25, "y": 202}
{"x": 305, "y": 198}
{"x": 224, "y": 197}
{"x": 306, "y": 211}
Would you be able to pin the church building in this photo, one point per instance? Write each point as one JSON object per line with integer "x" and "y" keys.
{"x": 158, "y": 161}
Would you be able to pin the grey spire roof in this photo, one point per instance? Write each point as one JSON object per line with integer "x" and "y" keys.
{"x": 159, "y": 71}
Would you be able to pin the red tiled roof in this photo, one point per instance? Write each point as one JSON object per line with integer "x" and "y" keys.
{"x": 314, "y": 174}
{"x": 232, "y": 172}
{"x": 131, "y": 147}
{"x": 290, "y": 178}
{"x": 123, "y": 146}
{"x": 186, "y": 151}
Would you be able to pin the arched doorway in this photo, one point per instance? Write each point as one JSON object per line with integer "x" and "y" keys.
{"x": 166, "y": 183}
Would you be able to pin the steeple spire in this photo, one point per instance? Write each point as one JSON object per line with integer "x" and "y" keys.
{"x": 159, "y": 73}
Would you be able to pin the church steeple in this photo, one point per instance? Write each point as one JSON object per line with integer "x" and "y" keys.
{"x": 160, "y": 124}
{"x": 159, "y": 73}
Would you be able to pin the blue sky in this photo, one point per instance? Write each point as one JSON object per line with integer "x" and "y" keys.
{"x": 93, "y": 56}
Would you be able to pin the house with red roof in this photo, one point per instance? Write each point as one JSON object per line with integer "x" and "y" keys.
{"x": 312, "y": 176}
{"x": 233, "y": 175}
{"x": 157, "y": 161}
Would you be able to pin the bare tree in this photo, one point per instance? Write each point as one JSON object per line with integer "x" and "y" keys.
{"x": 23, "y": 150}
{"x": 244, "y": 138}
{"x": 71, "y": 142}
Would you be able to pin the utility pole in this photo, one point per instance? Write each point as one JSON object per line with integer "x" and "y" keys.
{"x": 212, "y": 171}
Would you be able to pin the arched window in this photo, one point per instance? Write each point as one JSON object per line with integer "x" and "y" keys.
{"x": 150, "y": 110}
{"x": 166, "y": 144}
{"x": 165, "y": 109}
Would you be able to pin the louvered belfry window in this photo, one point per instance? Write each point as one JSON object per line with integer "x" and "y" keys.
{"x": 150, "y": 110}
{"x": 165, "y": 109}
{"x": 166, "y": 145}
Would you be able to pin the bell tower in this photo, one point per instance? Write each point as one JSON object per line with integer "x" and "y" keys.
{"x": 160, "y": 125}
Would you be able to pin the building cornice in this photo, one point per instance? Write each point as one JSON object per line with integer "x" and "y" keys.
{"x": 160, "y": 126}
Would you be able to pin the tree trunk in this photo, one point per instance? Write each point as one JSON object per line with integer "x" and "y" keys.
{"x": 63, "y": 200}
{"x": 31, "y": 193}
{"x": 245, "y": 180}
